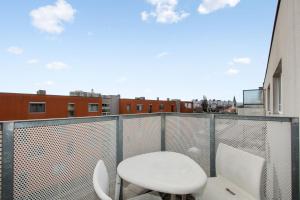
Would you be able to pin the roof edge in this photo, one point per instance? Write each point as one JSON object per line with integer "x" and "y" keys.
{"x": 273, "y": 34}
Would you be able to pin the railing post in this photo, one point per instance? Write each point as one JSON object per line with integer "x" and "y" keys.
{"x": 163, "y": 131}
{"x": 212, "y": 140}
{"x": 295, "y": 157}
{"x": 120, "y": 149}
{"x": 7, "y": 160}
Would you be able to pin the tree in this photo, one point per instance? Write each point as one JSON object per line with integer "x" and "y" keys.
{"x": 204, "y": 104}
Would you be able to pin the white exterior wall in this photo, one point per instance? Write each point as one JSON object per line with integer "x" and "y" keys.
{"x": 286, "y": 47}
{"x": 251, "y": 111}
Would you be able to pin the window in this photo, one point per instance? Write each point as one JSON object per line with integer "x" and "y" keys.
{"x": 188, "y": 105}
{"x": 105, "y": 105}
{"x": 172, "y": 108}
{"x": 37, "y": 107}
{"x": 277, "y": 107}
{"x": 150, "y": 108}
{"x": 71, "y": 110}
{"x": 93, "y": 107}
{"x": 128, "y": 108}
{"x": 139, "y": 107}
{"x": 269, "y": 98}
{"x": 161, "y": 106}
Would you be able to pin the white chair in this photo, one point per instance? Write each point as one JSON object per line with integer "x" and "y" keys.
{"x": 239, "y": 176}
{"x": 101, "y": 185}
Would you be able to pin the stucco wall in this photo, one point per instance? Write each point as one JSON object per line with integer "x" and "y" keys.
{"x": 285, "y": 47}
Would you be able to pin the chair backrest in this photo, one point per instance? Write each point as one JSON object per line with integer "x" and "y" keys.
{"x": 101, "y": 181}
{"x": 241, "y": 168}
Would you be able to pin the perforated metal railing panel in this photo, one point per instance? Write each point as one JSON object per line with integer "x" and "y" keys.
{"x": 57, "y": 161}
{"x": 1, "y": 159}
{"x": 141, "y": 135}
{"x": 265, "y": 139}
{"x": 189, "y": 136}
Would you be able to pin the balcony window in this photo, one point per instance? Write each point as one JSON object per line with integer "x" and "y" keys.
{"x": 150, "y": 108}
{"x": 161, "y": 106}
{"x": 128, "y": 108}
{"x": 37, "y": 107}
{"x": 188, "y": 105}
{"x": 139, "y": 107}
{"x": 71, "y": 110}
{"x": 93, "y": 107}
{"x": 277, "y": 107}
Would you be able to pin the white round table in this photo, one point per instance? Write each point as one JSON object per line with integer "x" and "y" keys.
{"x": 166, "y": 172}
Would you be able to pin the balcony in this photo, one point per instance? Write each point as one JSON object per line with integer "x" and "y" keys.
{"x": 55, "y": 159}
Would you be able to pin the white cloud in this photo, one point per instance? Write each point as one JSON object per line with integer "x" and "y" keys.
{"x": 162, "y": 54}
{"x": 51, "y": 18}
{"x": 208, "y": 6}
{"x": 165, "y": 12}
{"x": 57, "y": 65}
{"x": 145, "y": 15}
{"x": 15, "y": 50}
{"x": 32, "y": 61}
{"x": 232, "y": 72}
{"x": 245, "y": 61}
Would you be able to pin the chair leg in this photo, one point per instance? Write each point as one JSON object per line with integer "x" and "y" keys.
{"x": 118, "y": 188}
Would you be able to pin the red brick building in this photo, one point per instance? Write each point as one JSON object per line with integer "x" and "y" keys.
{"x": 15, "y": 106}
{"x": 33, "y": 106}
{"x": 135, "y": 106}
{"x": 186, "y": 107}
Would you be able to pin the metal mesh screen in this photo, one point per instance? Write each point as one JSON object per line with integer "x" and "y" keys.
{"x": 270, "y": 140}
{"x": 57, "y": 161}
{"x": 141, "y": 135}
{"x": 190, "y": 136}
{"x": 1, "y": 160}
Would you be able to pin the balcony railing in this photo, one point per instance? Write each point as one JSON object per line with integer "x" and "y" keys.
{"x": 55, "y": 159}
{"x": 253, "y": 97}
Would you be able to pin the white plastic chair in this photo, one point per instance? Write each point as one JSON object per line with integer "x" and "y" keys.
{"x": 239, "y": 176}
{"x": 101, "y": 185}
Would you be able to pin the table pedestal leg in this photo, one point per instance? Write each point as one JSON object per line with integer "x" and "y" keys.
{"x": 118, "y": 188}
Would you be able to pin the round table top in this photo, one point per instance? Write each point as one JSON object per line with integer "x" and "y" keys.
{"x": 167, "y": 172}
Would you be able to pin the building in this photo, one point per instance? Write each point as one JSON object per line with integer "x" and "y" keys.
{"x": 110, "y": 104}
{"x": 186, "y": 107}
{"x": 142, "y": 105}
{"x": 15, "y": 106}
{"x": 282, "y": 78}
{"x": 80, "y": 93}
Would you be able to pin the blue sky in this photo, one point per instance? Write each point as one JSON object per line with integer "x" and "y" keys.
{"x": 154, "y": 48}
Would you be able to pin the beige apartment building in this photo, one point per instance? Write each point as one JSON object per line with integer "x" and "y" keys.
{"x": 282, "y": 78}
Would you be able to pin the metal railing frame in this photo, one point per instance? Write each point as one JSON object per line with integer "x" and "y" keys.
{"x": 8, "y": 140}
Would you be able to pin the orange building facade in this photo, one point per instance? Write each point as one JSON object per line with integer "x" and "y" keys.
{"x": 135, "y": 106}
{"x": 186, "y": 107}
{"x": 15, "y": 106}
{"x": 33, "y": 106}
